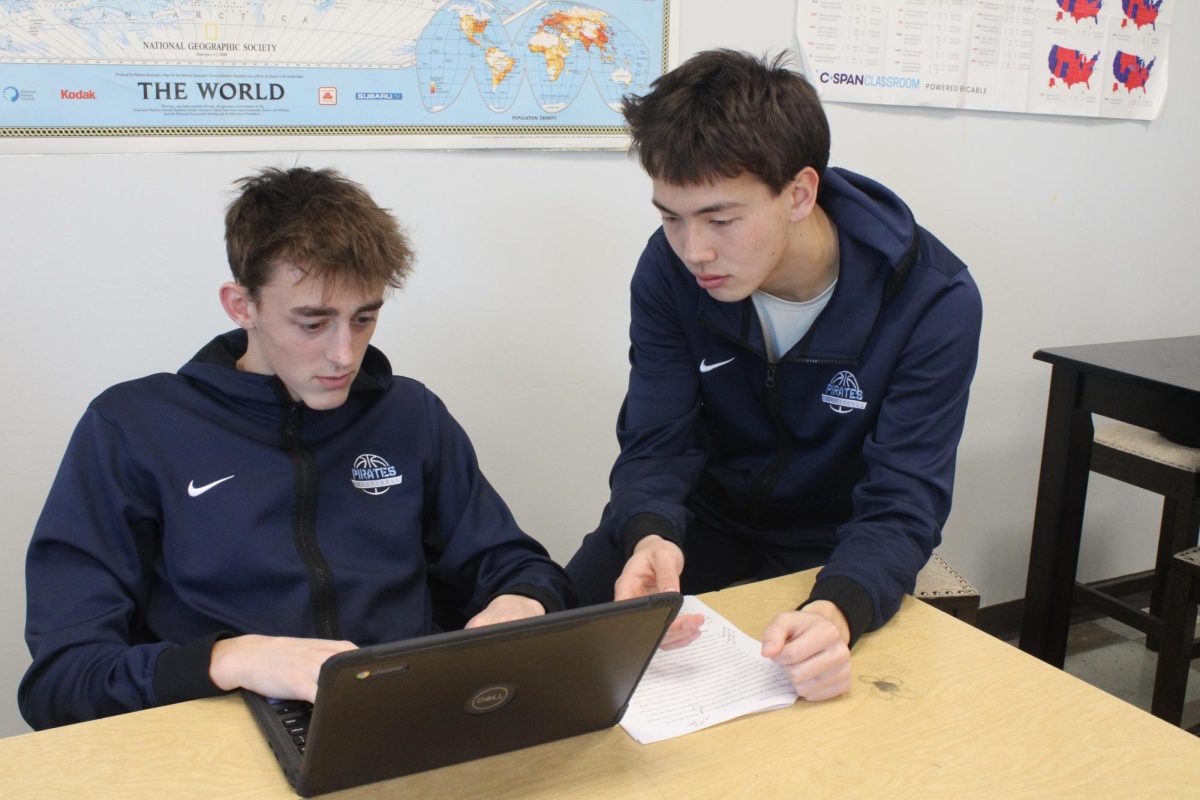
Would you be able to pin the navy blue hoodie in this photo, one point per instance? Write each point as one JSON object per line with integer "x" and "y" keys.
{"x": 194, "y": 506}
{"x": 846, "y": 444}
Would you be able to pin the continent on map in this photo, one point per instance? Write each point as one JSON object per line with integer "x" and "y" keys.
{"x": 1081, "y": 9}
{"x": 472, "y": 26}
{"x": 1071, "y": 66}
{"x": 561, "y": 31}
{"x": 1140, "y": 12}
{"x": 500, "y": 63}
{"x": 554, "y": 50}
{"x": 560, "y": 39}
{"x": 566, "y": 41}
{"x": 1131, "y": 71}
{"x": 465, "y": 38}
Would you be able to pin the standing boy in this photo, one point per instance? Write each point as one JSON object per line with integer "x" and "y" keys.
{"x": 801, "y": 352}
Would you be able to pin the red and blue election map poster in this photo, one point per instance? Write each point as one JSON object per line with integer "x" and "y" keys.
{"x": 1095, "y": 58}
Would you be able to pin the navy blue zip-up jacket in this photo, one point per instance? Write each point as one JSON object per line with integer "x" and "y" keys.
{"x": 204, "y": 504}
{"x": 846, "y": 443}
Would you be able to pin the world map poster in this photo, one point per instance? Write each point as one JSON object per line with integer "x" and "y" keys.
{"x": 1094, "y": 58}
{"x": 430, "y": 73}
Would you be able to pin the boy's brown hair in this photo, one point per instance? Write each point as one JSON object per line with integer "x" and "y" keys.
{"x": 318, "y": 221}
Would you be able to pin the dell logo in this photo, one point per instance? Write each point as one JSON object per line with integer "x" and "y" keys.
{"x": 491, "y": 698}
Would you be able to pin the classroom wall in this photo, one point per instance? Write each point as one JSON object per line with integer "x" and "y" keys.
{"x": 1076, "y": 231}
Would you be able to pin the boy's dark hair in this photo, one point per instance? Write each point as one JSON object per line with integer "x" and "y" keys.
{"x": 318, "y": 221}
{"x": 723, "y": 113}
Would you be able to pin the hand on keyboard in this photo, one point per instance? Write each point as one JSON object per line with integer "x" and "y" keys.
{"x": 273, "y": 666}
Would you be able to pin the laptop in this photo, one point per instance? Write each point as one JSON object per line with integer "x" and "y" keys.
{"x": 394, "y": 709}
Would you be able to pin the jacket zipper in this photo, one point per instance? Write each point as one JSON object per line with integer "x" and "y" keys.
{"x": 764, "y": 485}
{"x": 304, "y": 527}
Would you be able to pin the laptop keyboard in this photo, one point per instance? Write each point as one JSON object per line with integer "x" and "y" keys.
{"x": 295, "y": 715}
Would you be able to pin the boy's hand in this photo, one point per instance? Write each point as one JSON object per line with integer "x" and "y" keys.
{"x": 280, "y": 667}
{"x": 506, "y": 608}
{"x": 655, "y": 566}
{"x": 811, "y": 646}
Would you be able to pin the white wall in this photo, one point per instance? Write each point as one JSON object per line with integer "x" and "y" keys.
{"x": 1076, "y": 231}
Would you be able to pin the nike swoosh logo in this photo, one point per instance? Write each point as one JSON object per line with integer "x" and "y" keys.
{"x": 710, "y": 367}
{"x": 196, "y": 491}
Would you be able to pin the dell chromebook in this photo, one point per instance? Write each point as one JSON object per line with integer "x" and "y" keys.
{"x": 395, "y": 709}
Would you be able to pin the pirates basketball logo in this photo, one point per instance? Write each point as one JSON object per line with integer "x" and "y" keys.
{"x": 373, "y": 474}
{"x": 843, "y": 394}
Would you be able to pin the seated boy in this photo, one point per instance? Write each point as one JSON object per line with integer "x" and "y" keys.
{"x": 281, "y": 499}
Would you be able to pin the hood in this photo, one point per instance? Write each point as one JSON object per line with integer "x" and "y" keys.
{"x": 870, "y": 217}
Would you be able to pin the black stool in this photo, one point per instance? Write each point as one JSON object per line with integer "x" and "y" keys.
{"x": 1146, "y": 459}
{"x": 1178, "y": 640}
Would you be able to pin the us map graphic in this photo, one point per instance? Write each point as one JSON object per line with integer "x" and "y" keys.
{"x": 1128, "y": 46}
{"x": 1080, "y": 9}
{"x": 1140, "y": 12}
{"x": 1131, "y": 71}
{"x": 1100, "y": 58}
{"x": 1071, "y": 66}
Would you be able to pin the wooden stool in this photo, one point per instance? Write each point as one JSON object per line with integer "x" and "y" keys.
{"x": 1178, "y": 640}
{"x": 1146, "y": 459}
{"x": 942, "y": 587}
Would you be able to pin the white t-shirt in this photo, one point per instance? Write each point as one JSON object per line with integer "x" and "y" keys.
{"x": 785, "y": 322}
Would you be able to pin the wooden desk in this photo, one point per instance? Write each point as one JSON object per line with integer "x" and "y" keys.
{"x": 1153, "y": 384}
{"x": 937, "y": 709}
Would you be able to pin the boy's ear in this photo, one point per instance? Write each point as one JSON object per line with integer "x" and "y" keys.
{"x": 803, "y": 190}
{"x": 235, "y": 299}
